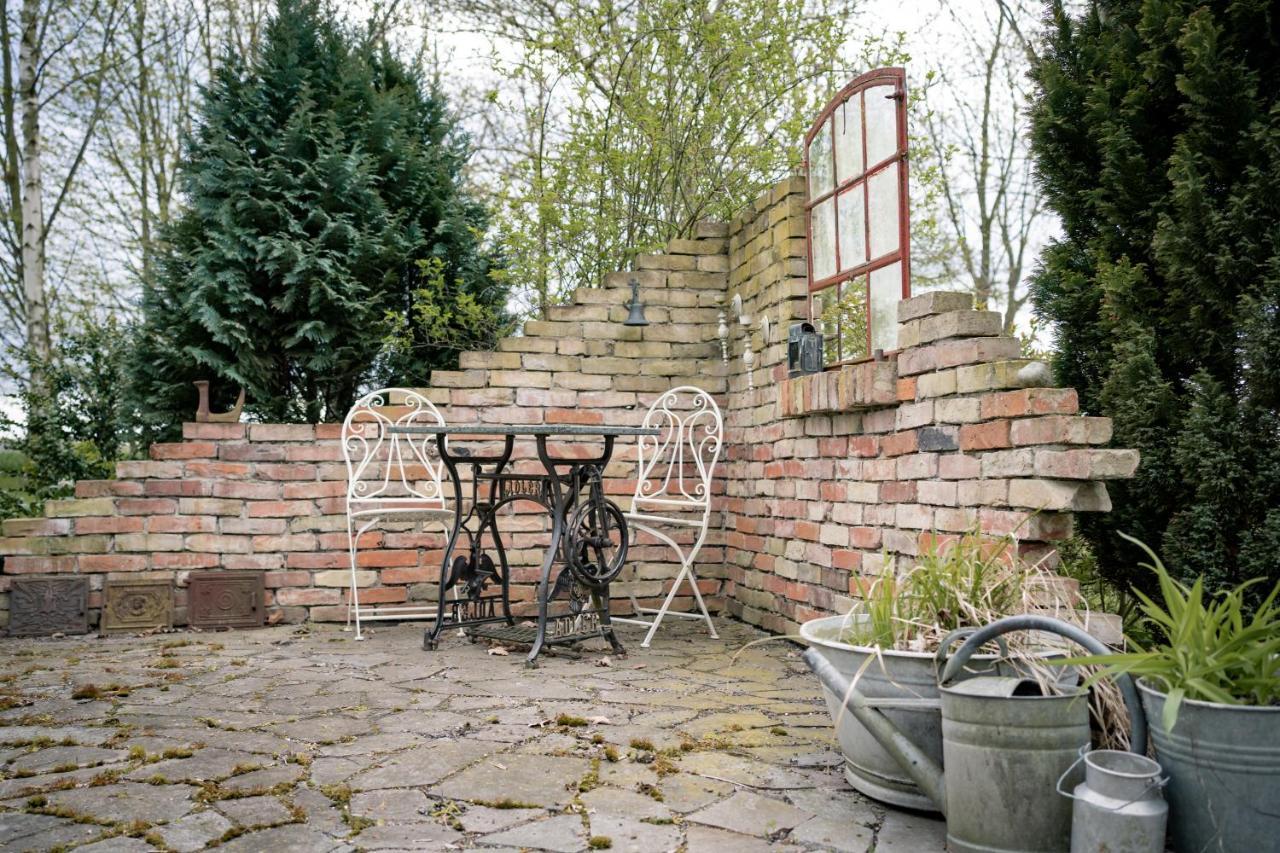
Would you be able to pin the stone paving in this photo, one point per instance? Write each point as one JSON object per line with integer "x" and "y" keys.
{"x": 299, "y": 739}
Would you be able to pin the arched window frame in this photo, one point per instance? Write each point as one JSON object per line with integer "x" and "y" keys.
{"x": 868, "y": 272}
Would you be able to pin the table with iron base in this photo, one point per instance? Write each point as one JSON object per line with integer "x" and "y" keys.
{"x": 589, "y": 537}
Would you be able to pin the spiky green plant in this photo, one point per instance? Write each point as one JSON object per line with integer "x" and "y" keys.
{"x": 1209, "y": 651}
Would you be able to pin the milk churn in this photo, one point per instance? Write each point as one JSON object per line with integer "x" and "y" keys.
{"x": 1118, "y": 807}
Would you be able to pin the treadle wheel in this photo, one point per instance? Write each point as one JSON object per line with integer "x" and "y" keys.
{"x": 597, "y": 543}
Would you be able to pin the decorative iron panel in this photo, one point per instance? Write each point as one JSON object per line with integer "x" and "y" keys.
{"x": 225, "y": 600}
{"x": 136, "y": 605}
{"x": 39, "y": 607}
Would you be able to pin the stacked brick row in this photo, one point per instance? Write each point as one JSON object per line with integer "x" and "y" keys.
{"x": 271, "y": 497}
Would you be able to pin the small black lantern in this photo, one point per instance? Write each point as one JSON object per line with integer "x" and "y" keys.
{"x": 804, "y": 349}
{"x": 635, "y": 308}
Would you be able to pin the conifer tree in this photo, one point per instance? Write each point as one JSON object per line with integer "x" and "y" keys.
{"x": 1157, "y": 139}
{"x": 323, "y": 176}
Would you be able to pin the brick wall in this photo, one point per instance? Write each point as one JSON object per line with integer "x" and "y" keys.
{"x": 823, "y": 479}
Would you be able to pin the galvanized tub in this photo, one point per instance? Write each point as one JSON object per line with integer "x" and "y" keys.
{"x": 905, "y": 686}
{"x": 1223, "y": 763}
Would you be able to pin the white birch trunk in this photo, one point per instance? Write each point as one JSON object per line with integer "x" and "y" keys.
{"x": 33, "y": 225}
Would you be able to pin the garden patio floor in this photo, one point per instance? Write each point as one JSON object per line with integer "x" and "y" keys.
{"x": 299, "y": 739}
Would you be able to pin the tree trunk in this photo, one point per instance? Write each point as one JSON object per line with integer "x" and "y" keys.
{"x": 33, "y": 226}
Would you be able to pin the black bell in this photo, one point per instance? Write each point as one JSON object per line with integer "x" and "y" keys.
{"x": 635, "y": 315}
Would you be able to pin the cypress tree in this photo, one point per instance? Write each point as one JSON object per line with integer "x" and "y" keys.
{"x": 1156, "y": 133}
{"x": 322, "y": 175}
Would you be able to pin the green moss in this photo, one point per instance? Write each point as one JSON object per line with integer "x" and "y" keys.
{"x": 570, "y": 720}
{"x": 599, "y": 842}
{"x": 642, "y": 744}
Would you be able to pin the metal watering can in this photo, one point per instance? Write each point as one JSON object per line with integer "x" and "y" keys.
{"x": 1004, "y": 744}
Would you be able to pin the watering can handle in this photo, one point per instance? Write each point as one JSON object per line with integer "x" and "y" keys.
{"x": 1029, "y": 622}
{"x": 944, "y": 648}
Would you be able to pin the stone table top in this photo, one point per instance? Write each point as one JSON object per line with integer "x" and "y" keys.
{"x": 521, "y": 429}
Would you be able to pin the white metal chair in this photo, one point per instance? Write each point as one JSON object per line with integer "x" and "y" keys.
{"x": 674, "y": 489}
{"x": 390, "y": 477}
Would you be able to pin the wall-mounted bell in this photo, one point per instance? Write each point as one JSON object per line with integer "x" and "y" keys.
{"x": 635, "y": 308}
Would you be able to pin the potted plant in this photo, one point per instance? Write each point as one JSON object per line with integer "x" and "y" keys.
{"x": 887, "y": 645}
{"x": 1210, "y": 685}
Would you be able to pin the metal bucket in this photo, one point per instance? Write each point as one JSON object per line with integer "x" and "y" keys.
{"x": 1118, "y": 807}
{"x": 1004, "y": 747}
{"x": 1223, "y": 763}
{"x": 897, "y": 682}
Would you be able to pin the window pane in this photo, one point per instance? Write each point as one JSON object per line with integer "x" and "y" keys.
{"x": 848, "y": 130}
{"x": 825, "y": 311}
{"x": 824, "y": 239}
{"x": 883, "y": 191}
{"x": 882, "y": 124}
{"x": 853, "y": 319}
{"x": 886, "y": 291}
{"x": 853, "y": 234}
{"x": 820, "y": 176}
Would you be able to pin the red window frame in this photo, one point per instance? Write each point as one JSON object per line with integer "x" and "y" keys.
{"x": 902, "y": 254}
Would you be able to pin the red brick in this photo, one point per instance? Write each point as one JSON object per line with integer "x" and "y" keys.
{"x": 289, "y": 596}
{"x": 113, "y": 562}
{"x": 865, "y": 537}
{"x": 14, "y": 565}
{"x": 1030, "y": 401}
{"x": 574, "y": 416}
{"x": 864, "y": 446}
{"x": 111, "y": 524}
{"x": 313, "y": 452}
{"x": 282, "y": 432}
{"x": 318, "y": 560}
{"x": 899, "y": 443}
{"x": 993, "y": 435}
{"x": 281, "y": 509}
{"x": 251, "y": 453}
{"x": 906, "y": 389}
{"x": 218, "y": 470}
{"x": 898, "y": 491}
{"x": 328, "y": 431}
{"x": 292, "y": 471}
{"x": 416, "y": 574}
{"x": 185, "y": 450}
{"x": 273, "y": 580}
{"x": 182, "y": 524}
{"x": 184, "y": 560}
{"x": 307, "y": 491}
{"x": 213, "y": 431}
{"x": 378, "y": 595}
{"x": 376, "y": 559}
{"x": 1061, "y": 429}
{"x": 247, "y": 491}
{"x": 253, "y": 562}
{"x": 146, "y": 506}
{"x": 178, "y": 488}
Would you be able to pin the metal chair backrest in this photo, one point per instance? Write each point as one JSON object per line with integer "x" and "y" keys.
{"x": 676, "y": 466}
{"x": 389, "y": 472}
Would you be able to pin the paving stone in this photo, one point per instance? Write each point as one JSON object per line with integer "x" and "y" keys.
{"x": 61, "y": 756}
{"x": 407, "y": 836}
{"x": 720, "y": 724}
{"x": 320, "y": 811}
{"x": 563, "y": 834}
{"x": 483, "y": 819}
{"x": 392, "y": 804}
{"x": 426, "y": 723}
{"x": 128, "y": 801}
{"x": 685, "y": 793}
{"x": 751, "y": 814}
{"x": 118, "y": 844}
{"x": 292, "y": 838}
{"x": 255, "y": 811}
{"x": 194, "y": 831}
{"x": 371, "y": 744}
{"x": 79, "y": 734}
{"x": 832, "y": 832}
{"x": 324, "y": 729}
{"x": 423, "y": 765}
{"x": 203, "y": 766}
{"x": 614, "y": 801}
{"x": 21, "y": 831}
{"x": 910, "y": 833}
{"x": 627, "y": 835}
{"x": 330, "y": 771}
{"x": 742, "y": 771}
{"x": 33, "y": 784}
{"x": 267, "y": 777}
{"x": 534, "y": 779}
{"x": 705, "y": 839}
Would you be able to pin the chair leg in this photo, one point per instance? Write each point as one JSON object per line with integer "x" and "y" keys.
{"x": 697, "y": 596}
{"x": 353, "y": 606}
{"x": 666, "y": 605}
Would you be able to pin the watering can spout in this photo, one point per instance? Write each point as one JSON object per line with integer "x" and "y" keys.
{"x": 922, "y": 769}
